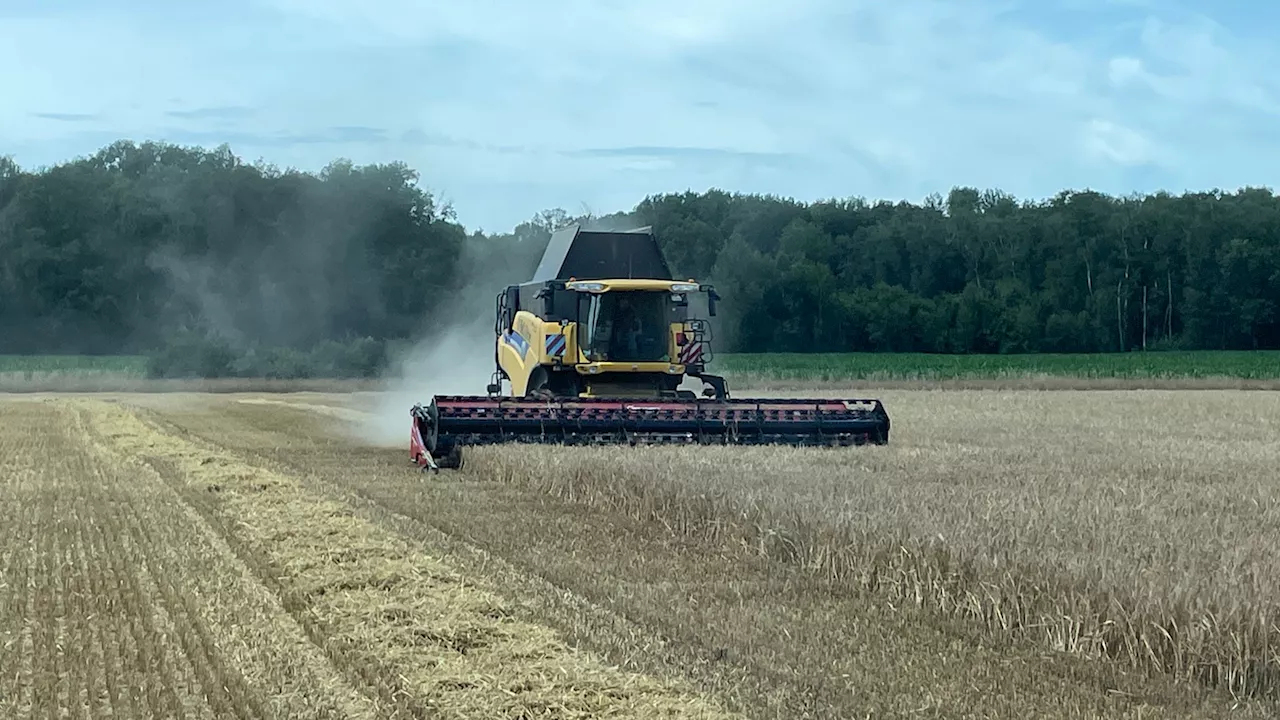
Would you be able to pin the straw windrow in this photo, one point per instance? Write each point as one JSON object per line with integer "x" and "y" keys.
{"x": 428, "y": 639}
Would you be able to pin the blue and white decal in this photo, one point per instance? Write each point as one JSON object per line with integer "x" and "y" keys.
{"x": 516, "y": 341}
{"x": 555, "y": 344}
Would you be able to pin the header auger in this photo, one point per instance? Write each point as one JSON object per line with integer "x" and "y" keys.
{"x": 595, "y": 348}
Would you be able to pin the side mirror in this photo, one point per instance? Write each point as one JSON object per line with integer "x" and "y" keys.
{"x": 712, "y": 297}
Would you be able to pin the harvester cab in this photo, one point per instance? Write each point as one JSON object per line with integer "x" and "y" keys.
{"x": 615, "y": 338}
{"x": 595, "y": 349}
{"x": 604, "y": 317}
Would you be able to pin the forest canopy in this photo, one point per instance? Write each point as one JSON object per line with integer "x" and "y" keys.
{"x": 215, "y": 266}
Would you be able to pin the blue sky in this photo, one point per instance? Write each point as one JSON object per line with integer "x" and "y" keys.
{"x": 506, "y": 109}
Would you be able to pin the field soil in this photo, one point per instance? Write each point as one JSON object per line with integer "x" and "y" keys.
{"x": 1009, "y": 555}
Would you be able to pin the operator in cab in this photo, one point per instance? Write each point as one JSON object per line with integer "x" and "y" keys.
{"x": 637, "y": 331}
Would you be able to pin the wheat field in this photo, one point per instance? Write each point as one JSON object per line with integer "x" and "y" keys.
{"x": 1011, "y": 554}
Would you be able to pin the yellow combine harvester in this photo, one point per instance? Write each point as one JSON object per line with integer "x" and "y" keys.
{"x": 595, "y": 348}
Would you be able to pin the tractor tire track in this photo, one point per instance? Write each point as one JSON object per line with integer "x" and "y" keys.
{"x": 440, "y": 646}
{"x": 249, "y": 676}
{"x": 117, "y": 602}
{"x": 380, "y": 493}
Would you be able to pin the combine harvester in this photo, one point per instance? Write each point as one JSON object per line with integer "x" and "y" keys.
{"x": 596, "y": 347}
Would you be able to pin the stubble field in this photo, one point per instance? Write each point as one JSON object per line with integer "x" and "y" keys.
{"x": 1011, "y": 554}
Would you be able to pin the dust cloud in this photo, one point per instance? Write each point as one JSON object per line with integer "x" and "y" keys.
{"x": 459, "y": 359}
{"x": 456, "y": 361}
{"x": 455, "y": 358}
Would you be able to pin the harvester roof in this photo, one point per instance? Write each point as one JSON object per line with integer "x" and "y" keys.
{"x": 602, "y": 255}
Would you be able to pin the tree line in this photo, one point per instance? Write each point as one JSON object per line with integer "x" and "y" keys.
{"x": 212, "y": 265}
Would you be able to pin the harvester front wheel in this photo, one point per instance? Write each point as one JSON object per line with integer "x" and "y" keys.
{"x": 539, "y": 387}
{"x": 451, "y": 459}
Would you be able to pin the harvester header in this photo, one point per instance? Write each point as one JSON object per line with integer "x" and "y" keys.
{"x": 595, "y": 349}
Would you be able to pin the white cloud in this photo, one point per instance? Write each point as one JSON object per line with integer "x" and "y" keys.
{"x": 507, "y": 108}
{"x": 1106, "y": 140}
{"x": 1125, "y": 71}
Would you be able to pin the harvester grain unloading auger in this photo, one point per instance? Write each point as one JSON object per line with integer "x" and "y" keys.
{"x": 595, "y": 348}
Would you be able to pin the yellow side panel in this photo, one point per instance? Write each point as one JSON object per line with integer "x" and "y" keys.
{"x": 519, "y": 350}
{"x": 552, "y": 348}
{"x": 534, "y": 342}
